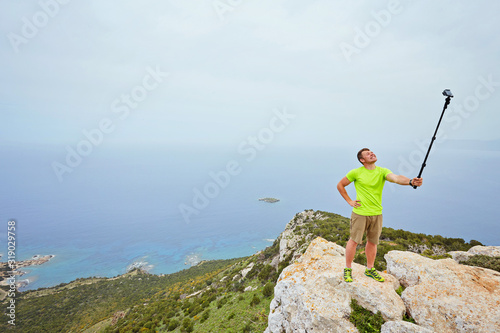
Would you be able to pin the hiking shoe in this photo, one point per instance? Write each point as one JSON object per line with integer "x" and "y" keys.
{"x": 348, "y": 274}
{"x": 374, "y": 275}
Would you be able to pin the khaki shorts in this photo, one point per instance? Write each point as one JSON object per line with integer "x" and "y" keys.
{"x": 360, "y": 224}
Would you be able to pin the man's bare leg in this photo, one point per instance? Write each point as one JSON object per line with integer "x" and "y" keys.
{"x": 350, "y": 251}
{"x": 371, "y": 253}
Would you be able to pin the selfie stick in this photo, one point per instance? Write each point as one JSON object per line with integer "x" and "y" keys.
{"x": 448, "y": 95}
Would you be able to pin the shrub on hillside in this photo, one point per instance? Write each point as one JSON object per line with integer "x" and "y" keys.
{"x": 173, "y": 324}
{"x": 268, "y": 289}
{"x": 484, "y": 261}
{"x": 187, "y": 325}
{"x": 254, "y": 271}
{"x": 266, "y": 272}
{"x": 205, "y": 315}
{"x": 255, "y": 300}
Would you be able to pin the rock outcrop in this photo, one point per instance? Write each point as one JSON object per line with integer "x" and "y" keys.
{"x": 490, "y": 251}
{"x": 440, "y": 295}
{"x": 311, "y": 295}
{"x": 403, "y": 327}
{"x": 445, "y": 296}
{"x": 247, "y": 269}
{"x": 7, "y": 271}
{"x": 290, "y": 240}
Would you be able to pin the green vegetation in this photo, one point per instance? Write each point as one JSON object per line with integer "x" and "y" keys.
{"x": 221, "y": 304}
{"x": 268, "y": 289}
{"x": 211, "y": 296}
{"x": 81, "y": 304}
{"x": 368, "y": 322}
{"x": 364, "y": 320}
{"x": 484, "y": 261}
{"x": 400, "y": 290}
{"x": 408, "y": 318}
{"x": 226, "y": 310}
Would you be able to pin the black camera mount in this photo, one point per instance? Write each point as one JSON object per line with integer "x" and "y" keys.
{"x": 449, "y": 96}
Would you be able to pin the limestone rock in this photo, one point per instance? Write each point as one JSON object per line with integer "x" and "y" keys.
{"x": 402, "y": 327}
{"x": 459, "y": 256}
{"x": 445, "y": 296}
{"x": 250, "y": 288}
{"x": 195, "y": 293}
{"x": 311, "y": 295}
{"x": 247, "y": 269}
{"x": 275, "y": 261}
{"x": 289, "y": 240}
{"x": 491, "y": 251}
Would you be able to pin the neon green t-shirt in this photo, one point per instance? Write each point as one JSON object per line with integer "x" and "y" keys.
{"x": 369, "y": 185}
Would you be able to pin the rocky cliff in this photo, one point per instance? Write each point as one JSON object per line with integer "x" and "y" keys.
{"x": 440, "y": 295}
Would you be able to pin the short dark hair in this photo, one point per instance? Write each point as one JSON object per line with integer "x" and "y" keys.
{"x": 360, "y": 156}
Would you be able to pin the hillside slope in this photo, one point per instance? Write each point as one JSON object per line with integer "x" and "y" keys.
{"x": 224, "y": 295}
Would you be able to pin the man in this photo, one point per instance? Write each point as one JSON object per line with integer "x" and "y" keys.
{"x": 366, "y": 215}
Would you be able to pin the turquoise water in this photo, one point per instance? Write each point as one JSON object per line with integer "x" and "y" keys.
{"x": 120, "y": 206}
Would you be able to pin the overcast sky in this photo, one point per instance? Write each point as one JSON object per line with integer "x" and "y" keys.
{"x": 211, "y": 72}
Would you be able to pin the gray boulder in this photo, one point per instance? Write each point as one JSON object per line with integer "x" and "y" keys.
{"x": 311, "y": 295}
{"x": 445, "y": 296}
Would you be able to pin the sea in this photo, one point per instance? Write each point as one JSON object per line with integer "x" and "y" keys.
{"x": 165, "y": 208}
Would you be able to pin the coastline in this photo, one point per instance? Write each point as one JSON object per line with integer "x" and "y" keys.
{"x": 6, "y": 273}
{"x": 152, "y": 262}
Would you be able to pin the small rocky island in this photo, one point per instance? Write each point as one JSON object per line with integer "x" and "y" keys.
{"x": 270, "y": 200}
